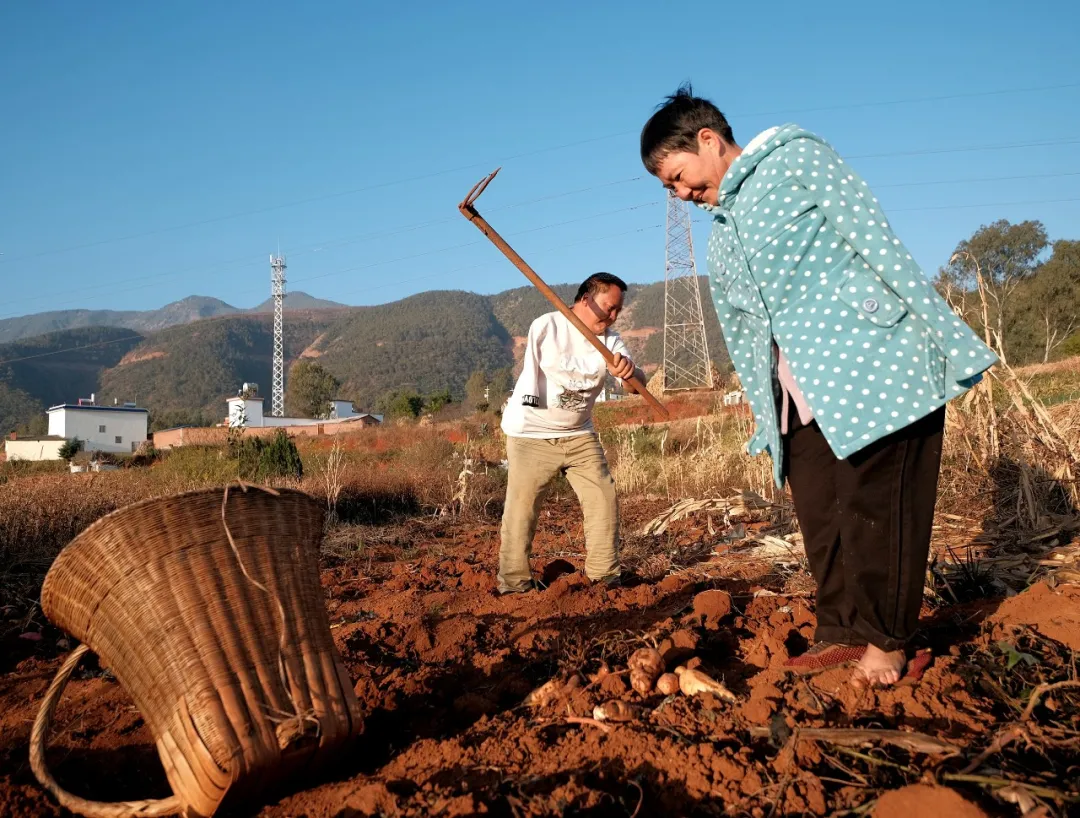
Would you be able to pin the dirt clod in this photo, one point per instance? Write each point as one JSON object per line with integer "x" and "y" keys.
{"x": 925, "y": 799}
{"x": 710, "y": 607}
{"x": 1055, "y": 613}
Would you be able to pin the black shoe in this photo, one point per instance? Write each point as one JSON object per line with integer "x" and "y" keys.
{"x": 532, "y": 586}
{"x": 610, "y": 582}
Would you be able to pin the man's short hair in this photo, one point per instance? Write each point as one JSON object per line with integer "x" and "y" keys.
{"x": 675, "y": 126}
{"x": 597, "y": 283}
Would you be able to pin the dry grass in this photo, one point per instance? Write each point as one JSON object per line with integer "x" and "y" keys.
{"x": 705, "y": 457}
{"x": 1009, "y": 475}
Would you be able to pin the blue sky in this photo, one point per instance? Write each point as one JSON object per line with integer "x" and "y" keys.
{"x": 154, "y": 151}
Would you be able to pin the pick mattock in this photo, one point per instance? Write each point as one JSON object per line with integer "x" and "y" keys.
{"x": 469, "y": 212}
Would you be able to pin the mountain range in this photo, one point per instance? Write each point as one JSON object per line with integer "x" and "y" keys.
{"x": 181, "y": 361}
{"x": 184, "y": 311}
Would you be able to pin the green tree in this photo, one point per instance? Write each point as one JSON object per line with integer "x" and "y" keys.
{"x": 401, "y": 404}
{"x": 280, "y": 458}
{"x": 174, "y": 419}
{"x": 1007, "y": 255}
{"x": 70, "y": 448}
{"x": 476, "y": 390}
{"x": 1053, "y": 297}
{"x": 437, "y": 400}
{"x": 500, "y": 386}
{"x": 1071, "y": 347}
{"x": 311, "y": 388}
{"x": 37, "y": 426}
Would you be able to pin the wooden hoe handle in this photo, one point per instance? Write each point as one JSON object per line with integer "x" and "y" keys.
{"x": 467, "y": 209}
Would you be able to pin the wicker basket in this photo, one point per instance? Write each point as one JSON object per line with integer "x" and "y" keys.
{"x": 207, "y": 607}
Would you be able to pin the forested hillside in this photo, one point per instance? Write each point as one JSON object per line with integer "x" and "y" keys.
{"x": 184, "y": 311}
{"x": 434, "y": 341}
{"x": 194, "y": 367}
{"x": 36, "y": 373}
{"x": 428, "y": 342}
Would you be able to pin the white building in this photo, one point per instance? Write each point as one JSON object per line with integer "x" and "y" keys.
{"x": 100, "y": 428}
{"x": 246, "y": 410}
{"x": 33, "y": 448}
{"x": 734, "y": 398}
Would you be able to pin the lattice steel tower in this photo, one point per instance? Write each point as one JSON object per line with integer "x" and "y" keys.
{"x": 686, "y": 352}
{"x": 277, "y": 290}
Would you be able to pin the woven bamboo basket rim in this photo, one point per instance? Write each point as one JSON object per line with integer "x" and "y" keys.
{"x": 131, "y": 508}
{"x": 147, "y": 808}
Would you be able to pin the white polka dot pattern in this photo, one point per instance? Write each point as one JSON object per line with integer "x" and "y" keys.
{"x": 802, "y": 254}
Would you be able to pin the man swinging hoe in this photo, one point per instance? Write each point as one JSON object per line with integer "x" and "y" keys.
{"x": 548, "y": 419}
{"x": 548, "y": 427}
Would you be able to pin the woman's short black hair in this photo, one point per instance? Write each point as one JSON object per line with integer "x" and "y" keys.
{"x": 676, "y": 124}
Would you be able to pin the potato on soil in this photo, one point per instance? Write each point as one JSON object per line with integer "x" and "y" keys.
{"x": 547, "y": 692}
{"x": 694, "y": 682}
{"x": 668, "y": 684}
{"x": 615, "y": 710}
{"x": 648, "y": 661}
{"x": 641, "y": 682}
{"x": 602, "y": 673}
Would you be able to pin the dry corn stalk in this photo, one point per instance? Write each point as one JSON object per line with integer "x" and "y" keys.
{"x": 746, "y": 505}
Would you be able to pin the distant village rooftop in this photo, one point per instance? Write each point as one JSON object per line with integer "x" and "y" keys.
{"x": 119, "y": 429}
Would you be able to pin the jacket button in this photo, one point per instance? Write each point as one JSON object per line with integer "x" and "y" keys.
{"x": 870, "y": 305}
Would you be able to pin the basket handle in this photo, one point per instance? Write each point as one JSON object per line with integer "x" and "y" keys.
{"x": 91, "y": 809}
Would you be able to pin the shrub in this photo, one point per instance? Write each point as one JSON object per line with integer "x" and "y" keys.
{"x": 279, "y": 458}
{"x": 70, "y": 448}
{"x": 437, "y": 400}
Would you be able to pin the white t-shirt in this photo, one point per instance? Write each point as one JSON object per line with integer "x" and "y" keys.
{"x": 561, "y": 377}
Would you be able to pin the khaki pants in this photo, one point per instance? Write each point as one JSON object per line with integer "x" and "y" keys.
{"x": 532, "y": 465}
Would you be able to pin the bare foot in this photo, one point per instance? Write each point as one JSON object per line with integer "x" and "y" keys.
{"x": 878, "y": 667}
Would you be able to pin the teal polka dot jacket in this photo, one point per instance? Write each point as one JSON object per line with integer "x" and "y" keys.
{"x": 802, "y": 255}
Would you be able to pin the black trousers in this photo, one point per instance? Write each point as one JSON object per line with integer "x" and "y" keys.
{"x": 866, "y": 522}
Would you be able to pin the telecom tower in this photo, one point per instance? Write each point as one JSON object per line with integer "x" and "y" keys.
{"x": 277, "y": 290}
{"x": 686, "y": 352}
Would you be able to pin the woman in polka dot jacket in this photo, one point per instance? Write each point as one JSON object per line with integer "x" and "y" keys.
{"x": 848, "y": 356}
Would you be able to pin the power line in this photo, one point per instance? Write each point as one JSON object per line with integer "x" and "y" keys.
{"x": 980, "y": 179}
{"x": 958, "y": 207}
{"x": 487, "y": 264}
{"x": 73, "y": 349}
{"x": 244, "y": 261}
{"x": 970, "y": 149}
{"x": 983, "y": 204}
{"x": 523, "y": 155}
{"x": 316, "y": 246}
{"x": 584, "y": 241}
{"x": 473, "y": 243}
{"x": 437, "y": 250}
{"x": 909, "y": 100}
{"x": 367, "y": 289}
{"x": 954, "y": 207}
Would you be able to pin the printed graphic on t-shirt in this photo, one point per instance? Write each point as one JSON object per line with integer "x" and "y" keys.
{"x": 578, "y": 377}
{"x": 573, "y": 397}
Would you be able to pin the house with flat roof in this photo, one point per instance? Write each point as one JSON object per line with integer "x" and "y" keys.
{"x": 117, "y": 428}
{"x": 43, "y": 447}
{"x": 246, "y": 409}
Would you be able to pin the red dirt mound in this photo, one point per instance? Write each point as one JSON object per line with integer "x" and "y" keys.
{"x": 925, "y": 799}
{"x": 1054, "y": 613}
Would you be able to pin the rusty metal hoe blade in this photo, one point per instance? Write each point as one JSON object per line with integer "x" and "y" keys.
{"x": 477, "y": 189}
